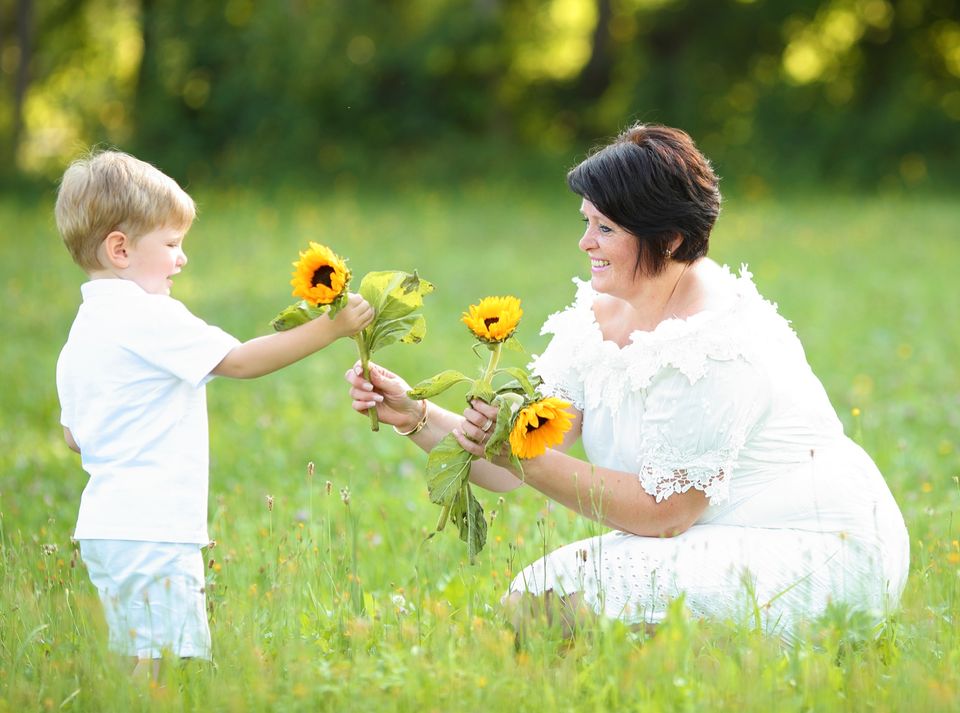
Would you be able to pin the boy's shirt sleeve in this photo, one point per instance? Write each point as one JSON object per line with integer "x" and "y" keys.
{"x": 174, "y": 340}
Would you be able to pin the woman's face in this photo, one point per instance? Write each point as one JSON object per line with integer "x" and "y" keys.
{"x": 612, "y": 250}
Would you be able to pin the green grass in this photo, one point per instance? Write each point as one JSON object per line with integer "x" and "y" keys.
{"x": 318, "y": 604}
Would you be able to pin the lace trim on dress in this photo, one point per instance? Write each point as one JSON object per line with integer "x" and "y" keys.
{"x": 662, "y": 474}
{"x": 580, "y": 366}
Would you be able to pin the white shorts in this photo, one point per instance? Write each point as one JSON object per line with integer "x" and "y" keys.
{"x": 153, "y": 596}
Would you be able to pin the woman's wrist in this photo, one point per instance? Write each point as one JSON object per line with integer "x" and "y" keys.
{"x": 418, "y": 425}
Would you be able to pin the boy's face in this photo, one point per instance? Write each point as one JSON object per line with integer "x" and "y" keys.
{"x": 155, "y": 258}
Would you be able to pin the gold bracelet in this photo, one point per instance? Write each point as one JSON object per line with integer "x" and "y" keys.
{"x": 420, "y": 424}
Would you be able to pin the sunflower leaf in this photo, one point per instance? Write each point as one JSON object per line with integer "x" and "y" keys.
{"x": 393, "y": 293}
{"x": 522, "y": 377}
{"x": 514, "y": 345}
{"x": 338, "y": 304}
{"x": 295, "y": 315}
{"x": 476, "y": 525}
{"x": 437, "y": 384}
{"x": 508, "y": 405}
{"x": 467, "y": 513}
{"x": 448, "y": 467}
{"x": 408, "y": 330}
{"x": 481, "y": 390}
{"x": 395, "y": 296}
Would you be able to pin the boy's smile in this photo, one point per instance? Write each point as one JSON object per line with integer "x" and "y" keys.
{"x": 155, "y": 258}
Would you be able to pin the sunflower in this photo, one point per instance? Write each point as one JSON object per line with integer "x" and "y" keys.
{"x": 320, "y": 276}
{"x": 540, "y": 426}
{"x": 495, "y": 319}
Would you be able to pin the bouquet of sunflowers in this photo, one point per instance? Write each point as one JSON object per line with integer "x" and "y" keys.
{"x": 321, "y": 279}
{"x": 527, "y": 421}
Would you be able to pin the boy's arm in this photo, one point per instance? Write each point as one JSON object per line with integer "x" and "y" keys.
{"x": 271, "y": 352}
{"x": 68, "y": 437}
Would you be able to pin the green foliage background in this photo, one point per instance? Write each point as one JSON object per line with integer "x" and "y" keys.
{"x": 852, "y": 92}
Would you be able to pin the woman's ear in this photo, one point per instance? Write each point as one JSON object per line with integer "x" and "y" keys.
{"x": 115, "y": 247}
{"x": 675, "y": 242}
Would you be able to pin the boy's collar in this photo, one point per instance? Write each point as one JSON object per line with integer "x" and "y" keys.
{"x": 110, "y": 286}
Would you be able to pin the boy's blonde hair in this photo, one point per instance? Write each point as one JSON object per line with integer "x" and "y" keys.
{"x": 111, "y": 190}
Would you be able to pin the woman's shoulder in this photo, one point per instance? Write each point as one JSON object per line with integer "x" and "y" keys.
{"x": 727, "y": 312}
{"x": 733, "y": 322}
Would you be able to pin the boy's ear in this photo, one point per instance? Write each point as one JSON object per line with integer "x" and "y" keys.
{"x": 115, "y": 247}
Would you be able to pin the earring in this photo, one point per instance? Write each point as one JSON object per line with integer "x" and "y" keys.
{"x": 668, "y": 253}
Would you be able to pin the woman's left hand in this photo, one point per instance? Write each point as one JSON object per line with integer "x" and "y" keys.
{"x": 479, "y": 422}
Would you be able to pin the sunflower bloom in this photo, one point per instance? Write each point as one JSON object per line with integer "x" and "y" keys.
{"x": 495, "y": 319}
{"x": 320, "y": 275}
{"x": 540, "y": 426}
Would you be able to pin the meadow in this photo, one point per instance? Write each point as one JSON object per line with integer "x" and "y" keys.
{"x": 323, "y": 591}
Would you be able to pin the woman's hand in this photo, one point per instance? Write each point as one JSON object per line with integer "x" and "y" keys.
{"x": 479, "y": 422}
{"x": 387, "y": 392}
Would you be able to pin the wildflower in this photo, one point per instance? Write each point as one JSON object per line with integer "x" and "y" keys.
{"x": 540, "y": 426}
{"x": 345, "y": 495}
{"x": 495, "y": 319}
{"x": 320, "y": 276}
{"x": 399, "y": 603}
{"x": 329, "y": 487}
{"x": 310, "y": 469}
{"x": 269, "y": 500}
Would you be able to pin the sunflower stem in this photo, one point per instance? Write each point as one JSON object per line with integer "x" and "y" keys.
{"x": 365, "y": 364}
{"x": 487, "y": 377}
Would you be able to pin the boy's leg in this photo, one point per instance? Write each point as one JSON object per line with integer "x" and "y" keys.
{"x": 146, "y": 670}
{"x": 153, "y": 597}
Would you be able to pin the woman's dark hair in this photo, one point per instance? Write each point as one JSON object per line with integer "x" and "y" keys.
{"x": 654, "y": 182}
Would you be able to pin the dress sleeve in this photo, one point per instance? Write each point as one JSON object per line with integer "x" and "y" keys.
{"x": 693, "y": 431}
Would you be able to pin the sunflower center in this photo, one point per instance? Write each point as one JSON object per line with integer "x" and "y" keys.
{"x": 321, "y": 276}
{"x": 490, "y": 320}
{"x": 534, "y": 425}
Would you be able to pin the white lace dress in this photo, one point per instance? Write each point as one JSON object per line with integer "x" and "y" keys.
{"x": 725, "y": 402}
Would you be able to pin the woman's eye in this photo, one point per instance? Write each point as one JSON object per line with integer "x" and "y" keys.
{"x": 605, "y": 229}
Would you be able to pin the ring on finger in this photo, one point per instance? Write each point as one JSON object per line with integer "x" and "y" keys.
{"x": 486, "y": 426}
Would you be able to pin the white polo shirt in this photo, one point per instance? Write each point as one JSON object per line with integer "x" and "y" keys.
{"x": 131, "y": 380}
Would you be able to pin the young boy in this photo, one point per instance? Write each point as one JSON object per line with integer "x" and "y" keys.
{"x": 131, "y": 380}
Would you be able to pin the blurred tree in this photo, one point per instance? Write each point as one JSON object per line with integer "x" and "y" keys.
{"x": 25, "y": 18}
{"x": 864, "y": 91}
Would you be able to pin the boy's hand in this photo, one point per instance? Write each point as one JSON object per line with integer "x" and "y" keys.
{"x": 355, "y": 316}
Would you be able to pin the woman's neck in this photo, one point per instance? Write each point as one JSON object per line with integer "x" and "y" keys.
{"x": 663, "y": 297}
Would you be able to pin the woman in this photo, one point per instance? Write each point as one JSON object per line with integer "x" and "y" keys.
{"x": 714, "y": 452}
